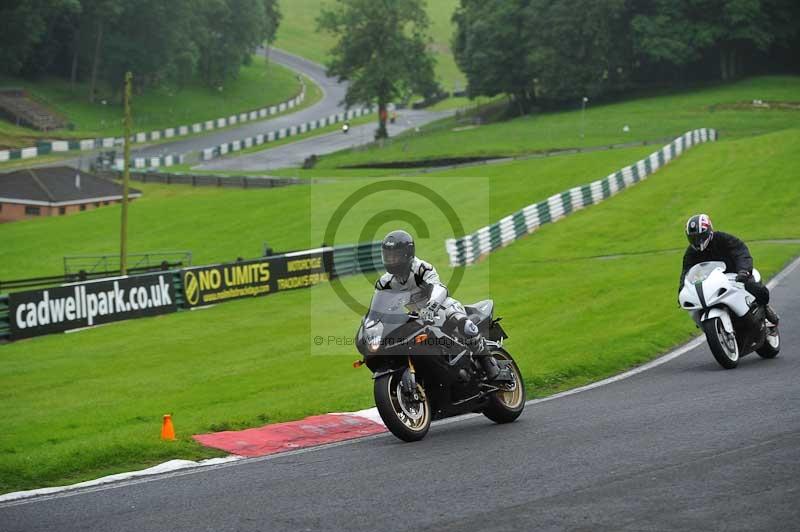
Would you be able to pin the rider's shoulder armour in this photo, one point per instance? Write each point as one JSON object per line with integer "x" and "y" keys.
{"x": 384, "y": 282}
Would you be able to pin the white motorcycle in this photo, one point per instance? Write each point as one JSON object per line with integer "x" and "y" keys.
{"x": 733, "y": 324}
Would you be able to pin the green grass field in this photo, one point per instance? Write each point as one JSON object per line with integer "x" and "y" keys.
{"x": 648, "y": 118}
{"x": 652, "y": 118}
{"x": 179, "y": 218}
{"x": 259, "y": 84}
{"x": 81, "y": 405}
{"x": 298, "y": 34}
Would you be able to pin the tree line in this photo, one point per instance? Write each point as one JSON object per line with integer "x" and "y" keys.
{"x": 541, "y": 52}
{"x": 164, "y": 43}
{"x": 382, "y": 50}
{"x": 548, "y": 51}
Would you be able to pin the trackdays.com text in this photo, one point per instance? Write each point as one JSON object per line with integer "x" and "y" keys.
{"x": 89, "y": 306}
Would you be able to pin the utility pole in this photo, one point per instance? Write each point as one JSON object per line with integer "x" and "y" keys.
{"x": 126, "y": 172}
{"x": 583, "y": 115}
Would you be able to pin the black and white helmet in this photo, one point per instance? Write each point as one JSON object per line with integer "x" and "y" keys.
{"x": 699, "y": 231}
{"x": 397, "y": 252}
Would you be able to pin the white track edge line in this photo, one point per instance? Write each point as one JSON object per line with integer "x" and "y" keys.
{"x": 152, "y": 474}
{"x": 164, "y": 467}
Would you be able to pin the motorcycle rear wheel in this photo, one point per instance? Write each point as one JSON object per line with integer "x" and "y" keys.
{"x": 407, "y": 420}
{"x": 722, "y": 344}
{"x": 506, "y": 406}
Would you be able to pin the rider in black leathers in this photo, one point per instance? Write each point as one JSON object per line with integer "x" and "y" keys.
{"x": 705, "y": 245}
{"x": 405, "y": 271}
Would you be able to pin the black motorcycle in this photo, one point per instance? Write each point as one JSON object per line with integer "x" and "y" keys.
{"x": 423, "y": 370}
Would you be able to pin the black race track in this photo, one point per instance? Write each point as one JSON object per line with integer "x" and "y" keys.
{"x": 295, "y": 153}
{"x": 683, "y": 446}
{"x": 333, "y": 94}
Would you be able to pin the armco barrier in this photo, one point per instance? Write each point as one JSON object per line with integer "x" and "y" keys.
{"x": 469, "y": 248}
{"x": 88, "y": 303}
{"x": 45, "y": 147}
{"x": 211, "y": 180}
{"x": 213, "y": 152}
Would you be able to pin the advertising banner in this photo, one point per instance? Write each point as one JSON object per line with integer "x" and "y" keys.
{"x": 207, "y": 285}
{"x": 50, "y": 310}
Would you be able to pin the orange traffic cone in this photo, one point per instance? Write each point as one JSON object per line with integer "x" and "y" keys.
{"x": 167, "y": 430}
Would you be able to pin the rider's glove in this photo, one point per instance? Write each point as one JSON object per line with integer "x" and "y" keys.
{"x": 742, "y": 276}
{"x": 429, "y": 312}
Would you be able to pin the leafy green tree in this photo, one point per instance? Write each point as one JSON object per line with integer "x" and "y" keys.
{"x": 742, "y": 27}
{"x": 233, "y": 30}
{"x": 559, "y": 50}
{"x": 381, "y": 49}
{"x": 162, "y": 43}
{"x": 101, "y": 14}
{"x": 577, "y": 48}
{"x": 273, "y": 16}
{"x": 50, "y": 56}
{"x": 549, "y": 50}
{"x": 491, "y": 47}
{"x": 150, "y": 39}
{"x": 24, "y": 26}
{"x": 682, "y": 32}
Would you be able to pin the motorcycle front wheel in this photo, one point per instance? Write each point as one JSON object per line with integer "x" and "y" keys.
{"x": 406, "y": 418}
{"x": 722, "y": 343}
{"x": 506, "y": 405}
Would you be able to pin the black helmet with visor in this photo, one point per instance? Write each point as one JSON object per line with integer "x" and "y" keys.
{"x": 397, "y": 252}
{"x": 699, "y": 231}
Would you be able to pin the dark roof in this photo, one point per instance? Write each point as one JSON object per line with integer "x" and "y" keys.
{"x": 57, "y": 185}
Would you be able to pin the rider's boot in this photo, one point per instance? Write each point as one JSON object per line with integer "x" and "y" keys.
{"x": 477, "y": 344}
{"x": 772, "y": 316}
{"x": 482, "y": 355}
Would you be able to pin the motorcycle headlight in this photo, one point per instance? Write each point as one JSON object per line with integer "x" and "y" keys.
{"x": 374, "y": 343}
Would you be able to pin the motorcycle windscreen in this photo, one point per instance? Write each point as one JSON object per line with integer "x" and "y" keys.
{"x": 700, "y": 272}
{"x": 388, "y": 307}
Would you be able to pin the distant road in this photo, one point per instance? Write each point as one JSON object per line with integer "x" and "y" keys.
{"x": 333, "y": 94}
{"x": 293, "y": 154}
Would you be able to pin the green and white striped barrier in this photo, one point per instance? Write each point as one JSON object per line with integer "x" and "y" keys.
{"x": 350, "y": 259}
{"x": 58, "y": 146}
{"x": 470, "y": 248}
{"x": 213, "y": 152}
{"x": 161, "y": 161}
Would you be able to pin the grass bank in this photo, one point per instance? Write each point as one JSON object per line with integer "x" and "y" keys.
{"x": 259, "y": 84}
{"x": 204, "y": 220}
{"x": 647, "y": 118}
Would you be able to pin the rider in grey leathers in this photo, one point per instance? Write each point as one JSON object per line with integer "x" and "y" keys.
{"x": 405, "y": 271}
